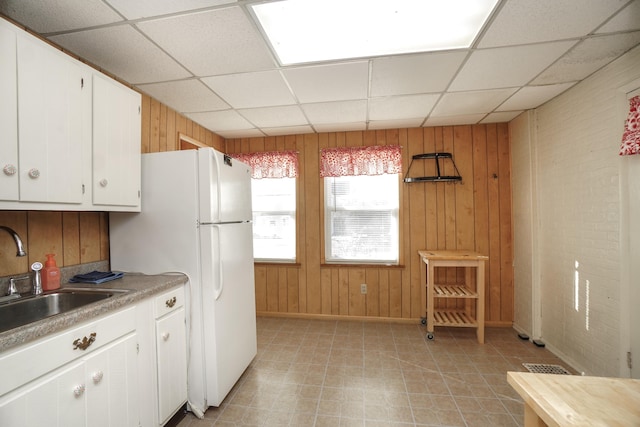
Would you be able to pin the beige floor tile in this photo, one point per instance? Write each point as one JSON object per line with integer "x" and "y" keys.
{"x": 350, "y": 373}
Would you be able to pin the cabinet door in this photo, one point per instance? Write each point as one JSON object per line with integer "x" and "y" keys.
{"x": 116, "y": 143}
{"x": 112, "y": 381}
{"x": 172, "y": 363}
{"x": 52, "y": 93}
{"x": 57, "y": 400}
{"x": 8, "y": 114}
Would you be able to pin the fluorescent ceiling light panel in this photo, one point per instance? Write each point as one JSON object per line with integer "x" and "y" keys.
{"x": 302, "y": 31}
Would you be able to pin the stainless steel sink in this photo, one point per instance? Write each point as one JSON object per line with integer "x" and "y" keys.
{"x": 25, "y": 310}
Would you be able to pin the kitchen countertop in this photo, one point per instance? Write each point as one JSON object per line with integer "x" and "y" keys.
{"x": 139, "y": 287}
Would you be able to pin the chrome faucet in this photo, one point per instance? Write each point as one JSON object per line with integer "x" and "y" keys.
{"x": 21, "y": 251}
{"x": 13, "y": 291}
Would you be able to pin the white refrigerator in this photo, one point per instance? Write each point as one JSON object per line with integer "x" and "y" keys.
{"x": 196, "y": 219}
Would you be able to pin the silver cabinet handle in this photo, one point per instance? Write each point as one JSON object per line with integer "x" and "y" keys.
{"x": 79, "y": 390}
{"x": 34, "y": 173}
{"x": 9, "y": 170}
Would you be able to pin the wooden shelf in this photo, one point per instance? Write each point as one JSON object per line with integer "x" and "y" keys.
{"x": 453, "y": 291}
{"x": 454, "y": 318}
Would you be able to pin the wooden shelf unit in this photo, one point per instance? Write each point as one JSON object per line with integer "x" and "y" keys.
{"x": 472, "y": 316}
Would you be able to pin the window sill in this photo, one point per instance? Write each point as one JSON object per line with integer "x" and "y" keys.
{"x": 337, "y": 265}
{"x": 276, "y": 264}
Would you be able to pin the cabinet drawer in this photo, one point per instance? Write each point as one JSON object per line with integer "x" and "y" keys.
{"x": 169, "y": 301}
{"x": 44, "y": 355}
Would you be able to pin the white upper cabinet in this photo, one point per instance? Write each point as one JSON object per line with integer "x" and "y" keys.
{"x": 53, "y": 94}
{"x": 70, "y": 135}
{"x": 8, "y": 114}
{"x": 116, "y": 144}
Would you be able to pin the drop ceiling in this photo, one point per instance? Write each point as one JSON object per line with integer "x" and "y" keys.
{"x": 209, "y": 60}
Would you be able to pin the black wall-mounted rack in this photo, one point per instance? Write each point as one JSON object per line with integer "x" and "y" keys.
{"x": 437, "y": 178}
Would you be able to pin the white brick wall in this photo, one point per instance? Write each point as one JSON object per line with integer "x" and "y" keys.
{"x": 576, "y": 168}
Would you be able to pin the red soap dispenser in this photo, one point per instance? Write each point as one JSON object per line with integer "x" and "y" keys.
{"x": 50, "y": 274}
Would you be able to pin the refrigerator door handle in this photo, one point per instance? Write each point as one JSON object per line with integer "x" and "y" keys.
{"x": 218, "y": 291}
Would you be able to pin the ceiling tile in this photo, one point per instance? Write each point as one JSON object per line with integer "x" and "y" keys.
{"x": 340, "y": 127}
{"x": 526, "y": 21}
{"x": 465, "y": 103}
{"x": 533, "y": 96}
{"x": 506, "y": 116}
{"x": 147, "y": 8}
{"x": 507, "y": 66}
{"x": 46, "y": 16}
{"x": 290, "y": 115}
{"x": 627, "y": 19}
{"x": 185, "y": 96}
{"x": 336, "y": 112}
{"x": 400, "y": 75}
{"x": 291, "y": 130}
{"x": 329, "y": 82}
{"x": 241, "y": 133}
{"x": 587, "y": 57}
{"x": 121, "y": 50}
{"x": 398, "y": 107}
{"x": 232, "y": 43}
{"x": 250, "y": 90}
{"x": 219, "y": 121}
{"x": 395, "y": 124}
{"x": 467, "y": 119}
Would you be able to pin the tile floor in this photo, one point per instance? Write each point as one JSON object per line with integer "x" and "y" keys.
{"x": 354, "y": 373}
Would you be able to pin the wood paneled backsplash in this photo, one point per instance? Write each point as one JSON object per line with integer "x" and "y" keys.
{"x": 82, "y": 237}
{"x": 474, "y": 214}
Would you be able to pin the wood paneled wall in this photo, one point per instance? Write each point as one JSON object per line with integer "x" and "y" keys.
{"x": 474, "y": 214}
{"x": 161, "y": 126}
{"x": 82, "y": 237}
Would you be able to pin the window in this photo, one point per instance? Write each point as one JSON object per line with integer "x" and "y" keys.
{"x": 361, "y": 204}
{"x": 361, "y": 219}
{"x": 274, "y": 219}
{"x": 273, "y": 196}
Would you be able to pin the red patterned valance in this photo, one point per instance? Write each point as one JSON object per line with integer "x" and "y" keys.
{"x": 271, "y": 164}
{"x": 631, "y": 135}
{"x": 351, "y": 161}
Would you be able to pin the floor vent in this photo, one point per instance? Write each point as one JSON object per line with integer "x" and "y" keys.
{"x": 542, "y": 368}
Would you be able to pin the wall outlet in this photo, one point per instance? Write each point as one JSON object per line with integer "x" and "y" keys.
{"x": 363, "y": 288}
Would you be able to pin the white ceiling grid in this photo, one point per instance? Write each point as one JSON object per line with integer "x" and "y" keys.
{"x": 209, "y": 60}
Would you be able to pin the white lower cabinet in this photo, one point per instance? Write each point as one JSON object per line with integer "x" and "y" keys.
{"x": 111, "y": 383}
{"x": 86, "y": 376}
{"x": 124, "y": 369}
{"x": 55, "y": 400}
{"x": 171, "y": 353}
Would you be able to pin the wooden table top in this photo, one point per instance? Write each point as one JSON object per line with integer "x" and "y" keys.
{"x": 451, "y": 255}
{"x": 572, "y": 400}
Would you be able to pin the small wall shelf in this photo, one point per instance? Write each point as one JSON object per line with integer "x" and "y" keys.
{"x": 437, "y": 178}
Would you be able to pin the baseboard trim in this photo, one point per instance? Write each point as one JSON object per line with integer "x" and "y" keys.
{"x": 309, "y": 316}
